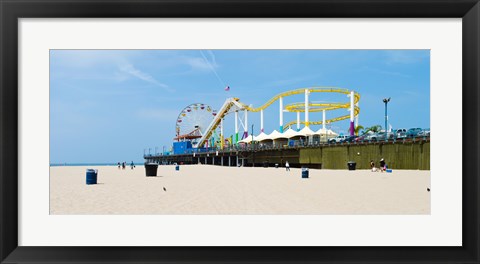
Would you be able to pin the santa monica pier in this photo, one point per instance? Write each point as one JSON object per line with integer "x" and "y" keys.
{"x": 200, "y": 137}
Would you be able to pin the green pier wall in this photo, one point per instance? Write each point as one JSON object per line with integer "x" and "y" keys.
{"x": 397, "y": 156}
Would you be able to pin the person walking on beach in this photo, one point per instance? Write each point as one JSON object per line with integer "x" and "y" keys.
{"x": 118, "y": 165}
{"x": 132, "y": 165}
{"x": 383, "y": 166}
{"x": 123, "y": 165}
{"x": 372, "y": 166}
{"x": 287, "y": 166}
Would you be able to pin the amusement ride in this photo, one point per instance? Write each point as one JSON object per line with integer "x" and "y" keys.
{"x": 203, "y": 126}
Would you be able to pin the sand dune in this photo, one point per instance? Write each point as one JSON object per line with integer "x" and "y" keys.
{"x": 207, "y": 189}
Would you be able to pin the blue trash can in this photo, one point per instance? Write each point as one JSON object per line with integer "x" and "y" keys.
{"x": 92, "y": 176}
{"x": 305, "y": 173}
{"x": 177, "y": 167}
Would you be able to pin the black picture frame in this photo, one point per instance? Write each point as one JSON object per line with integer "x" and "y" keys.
{"x": 12, "y": 10}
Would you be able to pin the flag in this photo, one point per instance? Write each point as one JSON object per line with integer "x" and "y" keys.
{"x": 227, "y": 88}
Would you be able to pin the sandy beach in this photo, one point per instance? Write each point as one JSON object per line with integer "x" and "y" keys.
{"x": 211, "y": 190}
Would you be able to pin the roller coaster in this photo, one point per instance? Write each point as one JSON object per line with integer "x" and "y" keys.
{"x": 234, "y": 105}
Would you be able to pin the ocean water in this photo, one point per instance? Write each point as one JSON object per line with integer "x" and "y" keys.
{"x": 91, "y": 164}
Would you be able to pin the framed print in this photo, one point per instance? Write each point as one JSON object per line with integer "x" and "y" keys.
{"x": 224, "y": 131}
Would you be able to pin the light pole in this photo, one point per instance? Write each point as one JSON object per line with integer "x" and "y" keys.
{"x": 386, "y": 100}
{"x": 253, "y": 151}
{"x": 252, "y": 135}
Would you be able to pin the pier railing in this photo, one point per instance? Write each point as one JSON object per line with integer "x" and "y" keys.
{"x": 297, "y": 145}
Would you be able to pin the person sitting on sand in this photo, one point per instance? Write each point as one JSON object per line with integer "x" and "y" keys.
{"x": 372, "y": 166}
{"x": 287, "y": 166}
{"x": 383, "y": 165}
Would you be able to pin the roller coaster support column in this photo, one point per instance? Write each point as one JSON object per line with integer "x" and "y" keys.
{"x": 356, "y": 118}
{"x": 306, "y": 107}
{"x": 323, "y": 119}
{"x": 236, "y": 127}
{"x": 245, "y": 132}
{"x": 298, "y": 121}
{"x": 280, "y": 100}
{"x": 261, "y": 121}
{"x": 221, "y": 134}
{"x": 352, "y": 113}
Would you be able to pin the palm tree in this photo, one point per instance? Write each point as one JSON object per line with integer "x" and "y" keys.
{"x": 374, "y": 129}
{"x": 356, "y": 129}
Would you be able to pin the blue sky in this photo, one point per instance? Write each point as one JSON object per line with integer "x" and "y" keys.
{"x": 110, "y": 105}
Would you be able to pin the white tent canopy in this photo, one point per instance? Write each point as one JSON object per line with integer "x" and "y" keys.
{"x": 306, "y": 131}
{"x": 275, "y": 134}
{"x": 261, "y": 137}
{"x": 291, "y": 133}
{"x": 248, "y": 139}
{"x": 322, "y": 131}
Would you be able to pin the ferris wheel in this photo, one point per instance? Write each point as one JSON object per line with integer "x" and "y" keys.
{"x": 193, "y": 121}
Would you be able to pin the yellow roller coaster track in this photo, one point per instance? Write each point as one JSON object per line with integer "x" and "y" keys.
{"x": 301, "y": 91}
{"x": 294, "y": 107}
{"x": 313, "y": 107}
{"x": 328, "y": 121}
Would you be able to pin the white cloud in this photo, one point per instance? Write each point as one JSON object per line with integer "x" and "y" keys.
{"x": 200, "y": 63}
{"x": 212, "y": 66}
{"x": 83, "y": 61}
{"x": 196, "y": 63}
{"x": 212, "y": 56}
{"x": 121, "y": 65}
{"x": 131, "y": 70}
